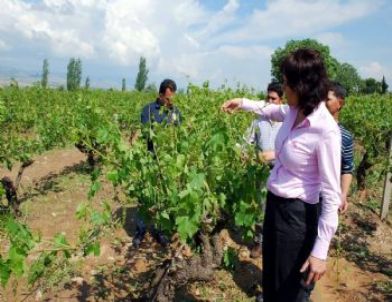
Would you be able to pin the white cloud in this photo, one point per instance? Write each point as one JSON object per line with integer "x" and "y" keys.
{"x": 285, "y": 18}
{"x": 332, "y": 39}
{"x": 375, "y": 70}
{"x": 63, "y": 33}
{"x": 180, "y": 38}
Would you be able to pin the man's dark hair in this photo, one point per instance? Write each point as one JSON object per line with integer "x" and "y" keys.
{"x": 167, "y": 83}
{"x": 305, "y": 73}
{"x": 275, "y": 87}
{"x": 339, "y": 91}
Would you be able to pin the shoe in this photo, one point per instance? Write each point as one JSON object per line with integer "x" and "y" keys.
{"x": 160, "y": 237}
{"x": 137, "y": 240}
{"x": 255, "y": 252}
{"x": 140, "y": 232}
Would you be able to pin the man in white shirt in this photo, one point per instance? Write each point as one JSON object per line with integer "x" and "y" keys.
{"x": 262, "y": 134}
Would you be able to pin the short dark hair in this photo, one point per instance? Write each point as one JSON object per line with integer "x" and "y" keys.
{"x": 275, "y": 87}
{"x": 306, "y": 75}
{"x": 339, "y": 91}
{"x": 167, "y": 83}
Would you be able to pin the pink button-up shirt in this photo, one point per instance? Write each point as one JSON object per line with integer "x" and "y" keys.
{"x": 307, "y": 163}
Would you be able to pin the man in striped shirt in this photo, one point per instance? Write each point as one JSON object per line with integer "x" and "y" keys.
{"x": 335, "y": 103}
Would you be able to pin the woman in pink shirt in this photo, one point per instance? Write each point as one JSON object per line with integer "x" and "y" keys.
{"x": 297, "y": 232}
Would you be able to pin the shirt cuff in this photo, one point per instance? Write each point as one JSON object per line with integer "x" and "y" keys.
{"x": 320, "y": 249}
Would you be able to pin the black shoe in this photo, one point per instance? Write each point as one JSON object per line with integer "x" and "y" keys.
{"x": 137, "y": 240}
{"x": 160, "y": 237}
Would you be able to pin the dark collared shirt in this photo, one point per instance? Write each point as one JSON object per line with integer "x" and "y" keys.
{"x": 157, "y": 112}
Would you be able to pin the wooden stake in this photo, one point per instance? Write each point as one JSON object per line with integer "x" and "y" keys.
{"x": 387, "y": 188}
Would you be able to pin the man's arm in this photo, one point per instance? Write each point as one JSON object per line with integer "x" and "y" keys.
{"x": 347, "y": 168}
{"x": 346, "y": 180}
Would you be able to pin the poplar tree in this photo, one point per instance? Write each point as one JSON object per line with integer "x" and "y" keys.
{"x": 142, "y": 75}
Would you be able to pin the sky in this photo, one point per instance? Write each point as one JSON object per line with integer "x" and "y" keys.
{"x": 222, "y": 41}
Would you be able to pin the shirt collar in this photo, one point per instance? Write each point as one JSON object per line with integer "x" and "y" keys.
{"x": 314, "y": 116}
{"x": 158, "y": 103}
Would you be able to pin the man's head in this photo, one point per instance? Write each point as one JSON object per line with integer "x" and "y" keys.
{"x": 167, "y": 90}
{"x": 274, "y": 93}
{"x": 335, "y": 100}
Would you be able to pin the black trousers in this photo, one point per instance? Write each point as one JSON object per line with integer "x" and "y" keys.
{"x": 289, "y": 232}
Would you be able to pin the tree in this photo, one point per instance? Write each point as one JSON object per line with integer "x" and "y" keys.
{"x": 384, "y": 85}
{"x": 14, "y": 83}
{"x": 87, "y": 84}
{"x": 71, "y": 74}
{"x": 349, "y": 78}
{"x": 78, "y": 73}
{"x": 45, "y": 73}
{"x": 277, "y": 57}
{"x": 151, "y": 88}
{"x": 142, "y": 75}
{"x": 371, "y": 85}
{"x": 74, "y": 74}
{"x": 124, "y": 85}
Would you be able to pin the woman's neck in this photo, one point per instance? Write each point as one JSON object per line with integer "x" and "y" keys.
{"x": 300, "y": 118}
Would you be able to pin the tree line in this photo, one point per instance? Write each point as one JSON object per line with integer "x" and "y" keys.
{"x": 74, "y": 76}
{"x": 342, "y": 72}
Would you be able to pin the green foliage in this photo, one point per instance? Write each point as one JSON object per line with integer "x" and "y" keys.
{"x": 371, "y": 86}
{"x": 87, "y": 83}
{"x": 74, "y": 74}
{"x": 196, "y": 178}
{"x": 384, "y": 85}
{"x": 230, "y": 259}
{"x": 151, "y": 88}
{"x": 21, "y": 242}
{"x": 123, "y": 85}
{"x": 45, "y": 73}
{"x": 349, "y": 78}
{"x": 142, "y": 75}
{"x": 369, "y": 119}
{"x": 196, "y": 175}
{"x": 280, "y": 53}
{"x": 3, "y": 111}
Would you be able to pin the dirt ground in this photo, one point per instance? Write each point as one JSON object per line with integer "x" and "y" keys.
{"x": 359, "y": 267}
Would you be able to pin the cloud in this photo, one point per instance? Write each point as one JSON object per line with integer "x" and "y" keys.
{"x": 64, "y": 34}
{"x": 227, "y": 63}
{"x": 287, "y": 18}
{"x": 184, "y": 39}
{"x": 332, "y": 39}
{"x": 375, "y": 70}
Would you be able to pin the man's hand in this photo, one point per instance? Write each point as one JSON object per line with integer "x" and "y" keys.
{"x": 316, "y": 269}
{"x": 344, "y": 205}
{"x": 231, "y": 105}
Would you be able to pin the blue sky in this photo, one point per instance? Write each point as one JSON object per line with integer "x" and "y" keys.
{"x": 220, "y": 41}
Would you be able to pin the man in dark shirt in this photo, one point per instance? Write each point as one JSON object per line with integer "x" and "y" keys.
{"x": 162, "y": 110}
{"x": 335, "y": 102}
